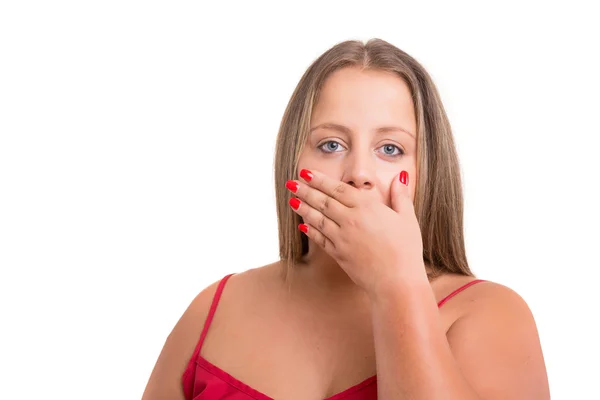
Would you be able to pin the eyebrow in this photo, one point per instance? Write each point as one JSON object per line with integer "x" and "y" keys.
{"x": 346, "y": 130}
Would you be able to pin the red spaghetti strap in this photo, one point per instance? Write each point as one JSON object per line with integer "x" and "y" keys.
{"x": 457, "y": 291}
{"x": 211, "y": 314}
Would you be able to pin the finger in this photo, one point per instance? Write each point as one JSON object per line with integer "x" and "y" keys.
{"x": 318, "y": 238}
{"x": 326, "y": 205}
{"x": 312, "y": 217}
{"x": 341, "y": 191}
{"x": 399, "y": 191}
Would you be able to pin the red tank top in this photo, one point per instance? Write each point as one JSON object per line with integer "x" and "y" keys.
{"x": 204, "y": 380}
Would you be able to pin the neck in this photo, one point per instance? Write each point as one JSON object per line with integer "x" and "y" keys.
{"x": 321, "y": 273}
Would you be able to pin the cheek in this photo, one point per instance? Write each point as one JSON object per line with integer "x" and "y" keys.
{"x": 303, "y": 161}
{"x": 311, "y": 159}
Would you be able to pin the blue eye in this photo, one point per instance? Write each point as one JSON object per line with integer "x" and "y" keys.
{"x": 330, "y": 147}
{"x": 334, "y": 147}
{"x": 389, "y": 150}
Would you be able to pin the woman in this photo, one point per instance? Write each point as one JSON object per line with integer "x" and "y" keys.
{"x": 372, "y": 296}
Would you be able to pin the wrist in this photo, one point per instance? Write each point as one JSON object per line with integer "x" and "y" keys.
{"x": 405, "y": 285}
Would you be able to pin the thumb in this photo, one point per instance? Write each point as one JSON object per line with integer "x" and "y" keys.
{"x": 399, "y": 190}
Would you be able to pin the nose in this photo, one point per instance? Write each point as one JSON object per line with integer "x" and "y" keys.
{"x": 359, "y": 170}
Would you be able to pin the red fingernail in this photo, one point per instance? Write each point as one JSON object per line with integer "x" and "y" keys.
{"x": 292, "y": 185}
{"x": 404, "y": 177}
{"x": 295, "y": 203}
{"x": 306, "y": 175}
{"x": 303, "y": 228}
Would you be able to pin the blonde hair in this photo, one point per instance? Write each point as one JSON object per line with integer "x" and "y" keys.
{"x": 438, "y": 196}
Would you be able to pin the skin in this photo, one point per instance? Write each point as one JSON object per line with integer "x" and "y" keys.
{"x": 367, "y": 160}
{"x": 482, "y": 344}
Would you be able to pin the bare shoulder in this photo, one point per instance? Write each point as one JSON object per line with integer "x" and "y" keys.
{"x": 496, "y": 343}
{"x": 250, "y": 281}
{"x": 490, "y": 301}
{"x": 165, "y": 379}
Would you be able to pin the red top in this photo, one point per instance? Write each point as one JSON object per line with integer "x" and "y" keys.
{"x": 204, "y": 380}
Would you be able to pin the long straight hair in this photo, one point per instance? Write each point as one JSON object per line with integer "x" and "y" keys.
{"x": 438, "y": 196}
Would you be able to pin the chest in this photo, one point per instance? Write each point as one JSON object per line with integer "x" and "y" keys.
{"x": 302, "y": 354}
{"x": 295, "y": 350}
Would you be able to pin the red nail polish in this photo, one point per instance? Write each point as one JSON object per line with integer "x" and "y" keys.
{"x": 292, "y": 185}
{"x": 295, "y": 203}
{"x": 303, "y": 228}
{"x": 404, "y": 177}
{"x": 306, "y": 175}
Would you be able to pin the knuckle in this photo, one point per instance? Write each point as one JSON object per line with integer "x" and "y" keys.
{"x": 353, "y": 222}
{"x": 340, "y": 188}
{"x": 344, "y": 240}
{"x": 324, "y": 205}
{"x": 321, "y": 223}
{"x": 323, "y": 241}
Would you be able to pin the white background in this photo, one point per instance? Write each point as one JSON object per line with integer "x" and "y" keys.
{"x": 136, "y": 164}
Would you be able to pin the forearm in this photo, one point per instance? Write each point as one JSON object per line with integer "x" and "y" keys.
{"x": 414, "y": 360}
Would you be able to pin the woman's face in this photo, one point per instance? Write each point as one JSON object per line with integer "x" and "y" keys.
{"x": 363, "y": 131}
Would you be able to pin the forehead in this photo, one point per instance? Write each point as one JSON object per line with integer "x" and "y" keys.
{"x": 364, "y": 99}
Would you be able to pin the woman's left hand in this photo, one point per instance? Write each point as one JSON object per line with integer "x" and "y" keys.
{"x": 377, "y": 246}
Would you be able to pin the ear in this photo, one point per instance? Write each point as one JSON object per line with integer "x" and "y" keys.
{"x": 400, "y": 190}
